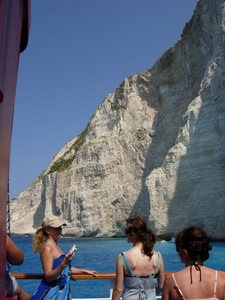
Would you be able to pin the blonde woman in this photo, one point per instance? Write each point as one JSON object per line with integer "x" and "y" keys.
{"x": 57, "y": 266}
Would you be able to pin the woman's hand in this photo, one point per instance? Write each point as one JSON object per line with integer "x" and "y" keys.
{"x": 67, "y": 259}
{"x": 93, "y": 273}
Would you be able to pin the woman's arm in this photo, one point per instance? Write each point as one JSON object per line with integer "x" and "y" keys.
{"x": 166, "y": 288}
{"x": 47, "y": 263}
{"x": 161, "y": 276}
{"x": 83, "y": 271}
{"x": 118, "y": 287}
{"x": 14, "y": 255}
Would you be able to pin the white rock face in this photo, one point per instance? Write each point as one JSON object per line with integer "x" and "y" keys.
{"x": 154, "y": 147}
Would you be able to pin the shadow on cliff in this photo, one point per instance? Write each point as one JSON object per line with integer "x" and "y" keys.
{"x": 41, "y": 210}
{"x": 191, "y": 61}
{"x": 165, "y": 127}
{"x": 199, "y": 191}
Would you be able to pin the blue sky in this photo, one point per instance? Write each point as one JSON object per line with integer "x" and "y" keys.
{"x": 79, "y": 51}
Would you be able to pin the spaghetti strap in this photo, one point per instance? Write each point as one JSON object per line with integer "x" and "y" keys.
{"x": 215, "y": 284}
{"x": 158, "y": 265}
{"x": 129, "y": 273}
{"x": 176, "y": 285}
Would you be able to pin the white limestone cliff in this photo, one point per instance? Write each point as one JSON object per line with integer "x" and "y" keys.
{"x": 153, "y": 147}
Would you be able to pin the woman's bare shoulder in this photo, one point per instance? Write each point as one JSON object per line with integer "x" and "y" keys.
{"x": 179, "y": 274}
{"x": 221, "y": 276}
{"x": 168, "y": 280}
{"x": 46, "y": 247}
{"x": 209, "y": 271}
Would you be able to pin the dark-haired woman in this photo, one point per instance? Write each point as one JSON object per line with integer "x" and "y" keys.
{"x": 195, "y": 281}
{"x": 140, "y": 270}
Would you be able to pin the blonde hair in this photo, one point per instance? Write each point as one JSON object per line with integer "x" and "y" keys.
{"x": 39, "y": 238}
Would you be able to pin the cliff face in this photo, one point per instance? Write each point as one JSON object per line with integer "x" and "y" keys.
{"x": 153, "y": 147}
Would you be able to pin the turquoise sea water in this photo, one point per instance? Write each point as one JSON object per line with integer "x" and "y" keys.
{"x": 100, "y": 254}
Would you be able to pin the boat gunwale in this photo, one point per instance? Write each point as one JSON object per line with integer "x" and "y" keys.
{"x": 25, "y": 276}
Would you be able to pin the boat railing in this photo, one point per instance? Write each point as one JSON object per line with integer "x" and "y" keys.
{"x": 100, "y": 276}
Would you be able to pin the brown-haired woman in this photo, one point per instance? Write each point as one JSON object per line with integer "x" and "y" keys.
{"x": 195, "y": 281}
{"x": 140, "y": 270}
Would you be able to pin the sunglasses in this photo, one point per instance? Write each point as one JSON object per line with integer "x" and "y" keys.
{"x": 127, "y": 231}
{"x": 56, "y": 228}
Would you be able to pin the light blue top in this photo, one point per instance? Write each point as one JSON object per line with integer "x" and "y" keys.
{"x": 138, "y": 287}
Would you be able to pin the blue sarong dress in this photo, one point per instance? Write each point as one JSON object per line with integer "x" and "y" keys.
{"x": 59, "y": 288}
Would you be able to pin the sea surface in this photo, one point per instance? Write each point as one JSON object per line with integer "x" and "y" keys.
{"x": 100, "y": 254}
